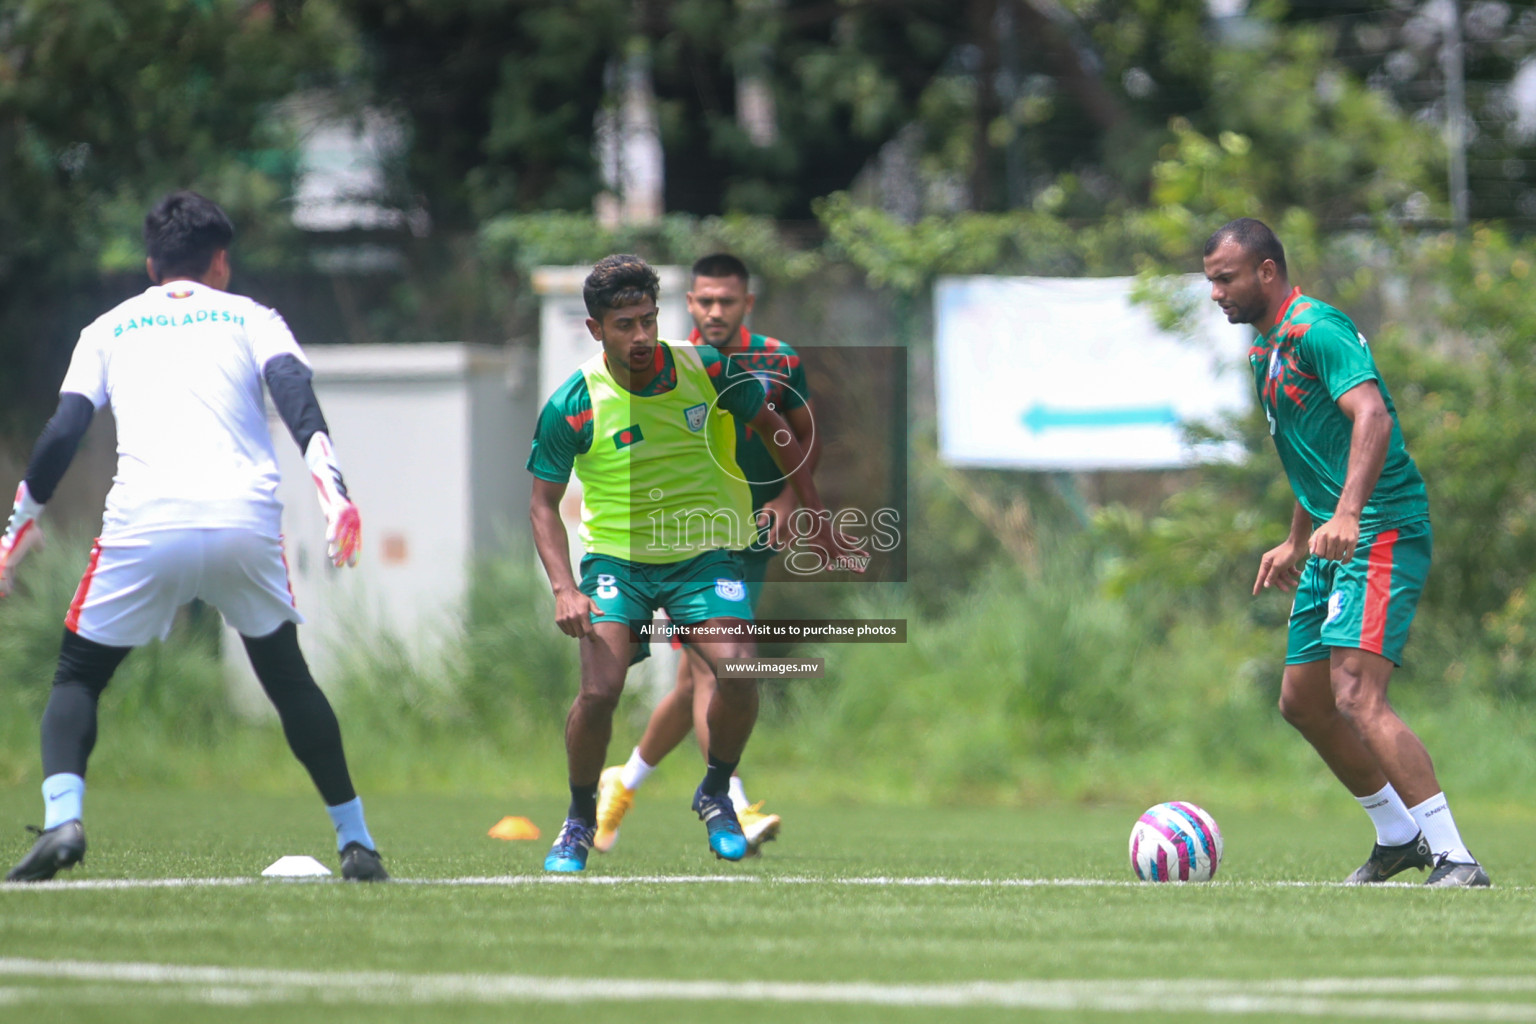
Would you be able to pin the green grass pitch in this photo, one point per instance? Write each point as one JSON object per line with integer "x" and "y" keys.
{"x": 862, "y": 914}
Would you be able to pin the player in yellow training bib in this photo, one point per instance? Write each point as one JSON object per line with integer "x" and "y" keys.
{"x": 719, "y": 301}
{"x": 649, "y": 429}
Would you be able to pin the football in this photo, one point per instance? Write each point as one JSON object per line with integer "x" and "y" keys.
{"x": 1175, "y": 842}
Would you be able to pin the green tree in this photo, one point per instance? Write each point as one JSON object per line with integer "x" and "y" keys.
{"x": 103, "y": 107}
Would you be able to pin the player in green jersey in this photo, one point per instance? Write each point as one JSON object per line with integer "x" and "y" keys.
{"x": 719, "y": 301}
{"x": 648, "y": 428}
{"x": 1357, "y": 554}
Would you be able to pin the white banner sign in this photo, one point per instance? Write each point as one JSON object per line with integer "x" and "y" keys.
{"x": 1069, "y": 374}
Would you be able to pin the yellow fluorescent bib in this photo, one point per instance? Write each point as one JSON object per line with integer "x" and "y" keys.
{"x": 660, "y": 482}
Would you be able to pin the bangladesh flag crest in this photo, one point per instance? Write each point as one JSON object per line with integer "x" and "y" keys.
{"x": 628, "y": 436}
{"x": 696, "y": 415}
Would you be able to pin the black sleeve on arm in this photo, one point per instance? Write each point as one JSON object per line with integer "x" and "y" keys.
{"x": 288, "y": 380}
{"x": 56, "y": 445}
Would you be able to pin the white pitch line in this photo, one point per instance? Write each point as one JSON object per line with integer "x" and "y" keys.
{"x": 933, "y": 882}
{"x": 210, "y": 985}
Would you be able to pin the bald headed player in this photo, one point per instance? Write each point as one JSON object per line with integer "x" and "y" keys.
{"x": 1357, "y": 555}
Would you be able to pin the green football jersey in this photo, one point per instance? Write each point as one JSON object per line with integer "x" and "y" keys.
{"x": 652, "y": 488}
{"x": 778, "y": 368}
{"x": 1313, "y": 355}
{"x": 564, "y": 428}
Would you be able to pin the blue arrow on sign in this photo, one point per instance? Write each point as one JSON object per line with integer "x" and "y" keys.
{"x": 1041, "y": 417}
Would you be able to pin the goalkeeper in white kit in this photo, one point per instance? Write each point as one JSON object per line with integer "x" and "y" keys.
{"x": 193, "y": 513}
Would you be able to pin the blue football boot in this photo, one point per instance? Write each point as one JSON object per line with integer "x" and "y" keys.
{"x": 571, "y": 847}
{"x": 719, "y": 817}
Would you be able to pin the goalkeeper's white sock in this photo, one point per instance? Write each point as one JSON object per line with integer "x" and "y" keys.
{"x": 63, "y": 799}
{"x": 636, "y": 771}
{"x": 738, "y": 795}
{"x": 1394, "y": 825}
{"x": 1434, "y": 818}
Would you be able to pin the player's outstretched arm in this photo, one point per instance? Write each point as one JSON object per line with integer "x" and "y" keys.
{"x": 573, "y": 609}
{"x": 777, "y": 511}
{"x": 343, "y": 524}
{"x": 291, "y": 384}
{"x": 791, "y": 460}
{"x": 51, "y": 456}
{"x": 21, "y": 535}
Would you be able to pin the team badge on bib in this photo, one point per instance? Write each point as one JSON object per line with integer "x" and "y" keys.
{"x": 731, "y": 590}
{"x": 1335, "y": 606}
{"x": 696, "y": 416}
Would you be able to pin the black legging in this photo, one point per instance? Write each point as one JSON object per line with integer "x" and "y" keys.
{"x": 308, "y": 721}
{"x": 86, "y": 667}
{"x": 69, "y": 720}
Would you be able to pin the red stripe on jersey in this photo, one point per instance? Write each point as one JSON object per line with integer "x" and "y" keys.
{"x": 1286, "y": 305}
{"x": 1378, "y": 592}
{"x": 72, "y": 620}
{"x": 282, "y": 550}
{"x": 580, "y": 420}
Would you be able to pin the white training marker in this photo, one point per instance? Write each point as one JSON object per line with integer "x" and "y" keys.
{"x": 295, "y": 867}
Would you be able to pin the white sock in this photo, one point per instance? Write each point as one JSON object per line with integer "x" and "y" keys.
{"x": 1394, "y": 825}
{"x": 636, "y": 771}
{"x": 63, "y": 799}
{"x": 738, "y": 794}
{"x": 1434, "y": 818}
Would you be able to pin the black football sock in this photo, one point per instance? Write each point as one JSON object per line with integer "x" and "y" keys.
{"x": 308, "y": 721}
{"x": 69, "y": 721}
{"x": 717, "y": 777}
{"x": 583, "y": 803}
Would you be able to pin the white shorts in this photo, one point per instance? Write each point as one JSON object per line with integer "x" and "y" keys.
{"x": 135, "y": 584}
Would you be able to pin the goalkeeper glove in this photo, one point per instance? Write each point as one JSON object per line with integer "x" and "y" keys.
{"x": 21, "y": 535}
{"x": 343, "y": 525}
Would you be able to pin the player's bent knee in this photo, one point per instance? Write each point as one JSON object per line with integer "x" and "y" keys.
{"x": 1357, "y": 699}
{"x": 736, "y": 689}
{"x": 600, "y": 698}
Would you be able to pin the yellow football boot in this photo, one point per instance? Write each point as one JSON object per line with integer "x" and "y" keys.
{"x": 759, "y": 828}
{"x": 613, "y": 802}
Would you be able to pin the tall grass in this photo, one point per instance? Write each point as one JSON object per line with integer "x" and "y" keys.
{"x": 1021, "y": 689}
{"x": 166, "y": 714}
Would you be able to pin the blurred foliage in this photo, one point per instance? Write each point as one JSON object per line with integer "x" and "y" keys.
{"x": 104, "y": 107}
{"x": 1026, "y": 686}
{"x": 926, "y": 139}
{"x": 501, "y": 98}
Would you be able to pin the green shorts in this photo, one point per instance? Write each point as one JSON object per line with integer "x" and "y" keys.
{"x": 707, "y": 586}
{"x": 754, "y": 565}
{"x": 1367, "y": 602}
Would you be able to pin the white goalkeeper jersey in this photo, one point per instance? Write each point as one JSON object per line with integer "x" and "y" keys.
{"x": 181, "y": 367}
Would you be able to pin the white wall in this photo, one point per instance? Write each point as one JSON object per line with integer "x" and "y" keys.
{"x": 405, "y": 420}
